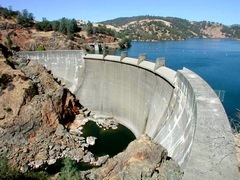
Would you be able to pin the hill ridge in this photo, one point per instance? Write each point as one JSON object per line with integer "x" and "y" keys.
{"x": 158, "y": 28}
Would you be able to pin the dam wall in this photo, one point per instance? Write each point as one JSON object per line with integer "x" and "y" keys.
{"x": 67, "y": 66}
{"x": 143, "y": 98}
{"x": 177, "y": 109}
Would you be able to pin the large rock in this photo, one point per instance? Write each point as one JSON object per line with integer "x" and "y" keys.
{"x": 143, "y": 159}
{"x": 91, "y": 140}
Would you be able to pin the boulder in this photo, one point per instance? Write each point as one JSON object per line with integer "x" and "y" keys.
{"x": 143, "y": 159}
{"x": 91, "y": 140}
{"x": 60, "y": 130}
{"x": 76, "y": 154}
{"x": 101, "y": 160}
{"x": 51, "y": 161}
{"x": 88, "y": 158}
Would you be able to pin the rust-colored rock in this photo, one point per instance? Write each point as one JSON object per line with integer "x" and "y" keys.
{"x": 32, "y": 107}
{"x": 143, "y": 159}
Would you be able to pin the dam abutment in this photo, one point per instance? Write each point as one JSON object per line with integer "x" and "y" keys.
{"x": 177, "y": 109}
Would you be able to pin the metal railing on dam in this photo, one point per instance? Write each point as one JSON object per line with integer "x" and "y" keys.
{"x": 172, "y": 107}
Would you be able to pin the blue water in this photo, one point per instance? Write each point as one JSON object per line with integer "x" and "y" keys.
{"x": 217, "y": 61}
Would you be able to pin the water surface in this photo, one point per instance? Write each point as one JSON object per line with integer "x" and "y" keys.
{"x": 217, "y": 61}
{"x": 110, "y": 141}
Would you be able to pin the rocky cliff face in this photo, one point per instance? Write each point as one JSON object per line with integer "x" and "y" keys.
{"x": 34, "y": 113}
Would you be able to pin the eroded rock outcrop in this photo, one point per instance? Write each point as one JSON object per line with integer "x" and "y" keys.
{"x": 35, "y": 112}
{"x": 143, "y": 159}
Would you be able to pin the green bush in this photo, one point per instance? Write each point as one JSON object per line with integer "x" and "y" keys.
{"x": 69, "y": 171}
{"x": 25, "y": 18}
{"x": 124, "y": 43}
{"x": 41, "y": 48}
{"x": 44, "y": 25}
{"x": 9, "y": 173}
{"x": 7, "y": 13}
{"x": 6, "y": 172}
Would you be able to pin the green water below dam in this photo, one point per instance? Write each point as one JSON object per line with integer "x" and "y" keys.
{"x": 110, "y": 141}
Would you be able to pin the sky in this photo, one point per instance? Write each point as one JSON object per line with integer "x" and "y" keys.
{"x": 223, "y": 11}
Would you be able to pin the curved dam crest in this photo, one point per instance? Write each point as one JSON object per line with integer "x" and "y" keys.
{"x": 177, "y": 109}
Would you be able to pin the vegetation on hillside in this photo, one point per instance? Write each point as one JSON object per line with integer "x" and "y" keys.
{"x": 69, "y": 27}
{"x": 8, "y": 13}
{"x": 137, "y": 28}
{"x": 24, "y": 18}
{"x": 156, "y": 28}
{"x": 8, "y": 172}
{"x": 101, "y": 29}
{"x": 69, "y": 170}
{"x": 64, "y": 26}
{"x": 123, "y": 43}
{"x": 232, "y": 31}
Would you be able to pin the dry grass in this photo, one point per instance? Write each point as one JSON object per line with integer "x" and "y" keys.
{"x": 214, "y": 32}
{"x": 36, "y": 33}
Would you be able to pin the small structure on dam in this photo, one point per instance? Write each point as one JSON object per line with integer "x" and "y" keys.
{"x": 177, "y": 109}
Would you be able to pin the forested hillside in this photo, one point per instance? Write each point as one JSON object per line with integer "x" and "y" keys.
{"x": 20, "y": 31}
{"x": 156, "y": 28}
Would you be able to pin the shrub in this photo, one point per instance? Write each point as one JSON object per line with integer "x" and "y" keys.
{"x": 44, "y": 25}
{"x": 25, "y": 18}
{"x": 41, "y": 48}
{"x": 124, "y": 43}
{"x": 69, "y": 171}
{"x": 7, "y": 172}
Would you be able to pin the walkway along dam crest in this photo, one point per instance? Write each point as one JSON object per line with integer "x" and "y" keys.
{"x": 177, "y": 109}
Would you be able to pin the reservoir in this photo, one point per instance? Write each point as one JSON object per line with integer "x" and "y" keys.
{"x": 217, "y": 61}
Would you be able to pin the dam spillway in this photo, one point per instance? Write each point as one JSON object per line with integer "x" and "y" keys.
{"x": 177, "y": 109}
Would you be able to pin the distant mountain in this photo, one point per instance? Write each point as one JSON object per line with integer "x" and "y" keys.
{"x": 156, "y": 28}
{"x": 236, "y": 25}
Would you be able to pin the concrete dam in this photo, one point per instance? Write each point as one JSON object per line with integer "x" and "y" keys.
{"x": 177, "y": 109}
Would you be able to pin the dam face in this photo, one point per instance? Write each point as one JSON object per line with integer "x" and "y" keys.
{"x": 177, "y": 109}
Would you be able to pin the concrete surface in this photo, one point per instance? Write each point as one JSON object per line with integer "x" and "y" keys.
{"x": 179, "y": 109}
